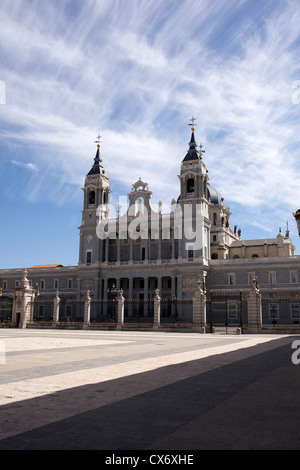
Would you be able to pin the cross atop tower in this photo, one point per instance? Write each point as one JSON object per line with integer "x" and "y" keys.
{"x": 98, "y": 141}
{"x": 193, "y": 123}
{"x": 201, "y": 150}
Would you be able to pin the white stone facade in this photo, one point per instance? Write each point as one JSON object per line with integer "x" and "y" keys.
{"x": 141, "y": 249}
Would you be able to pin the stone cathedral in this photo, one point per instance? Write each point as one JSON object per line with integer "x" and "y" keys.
{"x": 170, "y": 251}
{"x": 140, "y": 249}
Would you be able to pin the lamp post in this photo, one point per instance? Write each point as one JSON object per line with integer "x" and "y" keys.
{"x": 173, "y": 307}
{"x": 114, "y": 292}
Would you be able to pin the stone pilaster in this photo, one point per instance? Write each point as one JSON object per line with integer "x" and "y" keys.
{"x": 23, "y": 299}
{"x": 87, "y": 310}
{"x": 121, "y": 301}
{"x": 156, "y": 319}
{"x": 56, "y": 303}
{"x": 199, "y": 309}
{"x": 254, "y": 309}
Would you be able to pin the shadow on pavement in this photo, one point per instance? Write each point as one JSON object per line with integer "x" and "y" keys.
{"x": 250, "y": 403}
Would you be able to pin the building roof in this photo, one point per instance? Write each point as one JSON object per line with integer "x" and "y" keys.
{"x": 47, "y": 266}
{"x": 97, "y": 168}
{"x": 192, "y": 153}
{"x": 263, "y": 241}
{"x": 214, "y": 196}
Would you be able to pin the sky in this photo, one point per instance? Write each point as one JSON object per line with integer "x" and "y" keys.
{"x": 136, "y": 71}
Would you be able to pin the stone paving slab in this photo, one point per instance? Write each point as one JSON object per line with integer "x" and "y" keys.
{"x": 140, "y": 390}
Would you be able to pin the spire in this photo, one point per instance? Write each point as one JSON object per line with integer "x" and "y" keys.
{"x": 193, "y": 153}
{"x": 97, "y": 168}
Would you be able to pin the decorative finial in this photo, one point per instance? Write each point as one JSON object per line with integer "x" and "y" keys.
{"x": 201, "y": 150}
{"x": 98, "y": 140}
{"x": 193, "y": 123}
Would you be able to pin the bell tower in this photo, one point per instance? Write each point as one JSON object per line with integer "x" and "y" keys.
{"x": 193, "y": 201}
{"x": 193, "y": 173}
{"x": 95, "y": 206}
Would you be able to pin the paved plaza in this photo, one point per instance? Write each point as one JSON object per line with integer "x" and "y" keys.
{"x": 125, "y": 390}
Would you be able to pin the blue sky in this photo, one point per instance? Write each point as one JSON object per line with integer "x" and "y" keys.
{"x": 136, "y": 71}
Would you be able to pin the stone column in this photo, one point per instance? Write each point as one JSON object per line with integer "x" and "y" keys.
{"x": 130, "y": 297}
{"x": 100, "y": 296}
{"x": 23, "y": 298}
{"x": 105, "y": 287}
{"x": 87, "y": 310}
{"x": 173, "y": 286}
{"x": 156, "y": 320}
{"x": 130, "y": 288}
{"x": 179, "y": 287}
{"x": 172, "y": 245}
{"x": 131, "y": 251}
{"x": 180, "y": 243}
{"x": 159, "y": 240}
{"x": 254, "y": 309}
{"x": 121, "y": 301}
{"x": 118, "y": 248}
{"x": 146, "y": 295}
{"x": 147, "y": 247}
{"x": 107, "y": 249}
{"x": 199, "y": 309}
{"x": 100, "y": 250}
{"x": 56, "y": 303}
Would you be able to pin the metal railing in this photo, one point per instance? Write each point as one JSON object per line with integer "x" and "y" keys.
{"x": 280, "y": 310}
{"x": 104, "y": 311}
{"x": 175, "y": 310}
{"x": 226, "y": 310}
{"x": 138, "y": 311}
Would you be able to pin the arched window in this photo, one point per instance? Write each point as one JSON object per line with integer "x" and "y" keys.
{"x": 190, "y": 185}
{"x": 214, "y": 256}
{"x": 92, "y": 197}
{"x": 214, "y": 218}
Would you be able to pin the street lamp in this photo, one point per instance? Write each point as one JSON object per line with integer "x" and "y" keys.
{"x": 114, "y": 292}
{"x": 173, "y": 307}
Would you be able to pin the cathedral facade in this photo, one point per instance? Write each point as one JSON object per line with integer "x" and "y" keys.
{"x": 139, "y": 249}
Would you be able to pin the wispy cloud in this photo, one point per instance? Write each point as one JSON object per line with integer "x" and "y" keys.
{"x": 28, "y": 166}
{"x": 136, "y": 71}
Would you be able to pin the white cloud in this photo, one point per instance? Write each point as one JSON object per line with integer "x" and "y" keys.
{"x": 28, "y": 166}
{"x": 136, "y": 71}
{"x": 134, "y": 48}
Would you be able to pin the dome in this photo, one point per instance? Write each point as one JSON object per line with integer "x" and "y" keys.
{"x": 214, "y": 197}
